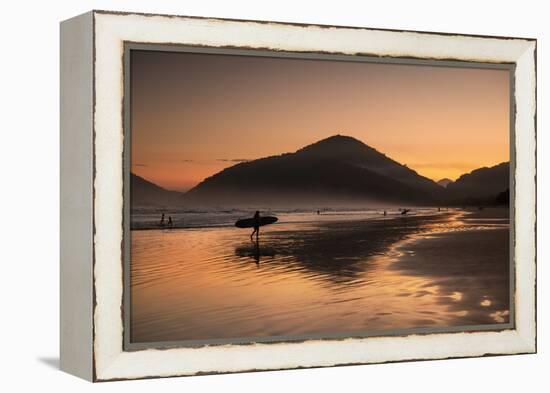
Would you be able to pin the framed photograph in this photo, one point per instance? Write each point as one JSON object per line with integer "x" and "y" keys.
{"x": 245, "y": 195}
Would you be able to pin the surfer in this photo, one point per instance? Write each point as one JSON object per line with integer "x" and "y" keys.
{"x": 162, "y": 220}
{"x": 256, "y": 226}
{"x": 255, "y": 222}
{"x": 170, "y": 221}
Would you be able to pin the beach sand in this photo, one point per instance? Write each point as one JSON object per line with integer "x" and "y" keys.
{"x": 338, "y": 276}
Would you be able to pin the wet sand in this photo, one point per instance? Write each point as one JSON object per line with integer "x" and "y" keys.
{"x": 470, "y": 267}
{"x": 439, "y": 270}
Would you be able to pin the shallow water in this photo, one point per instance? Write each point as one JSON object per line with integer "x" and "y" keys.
{"x": 149, "y": 218}
{"x": 329, "y": 275}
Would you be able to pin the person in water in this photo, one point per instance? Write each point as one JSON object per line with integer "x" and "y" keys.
{"x": 170, "y": 221}
{"x": 162, "y": 220}
{"x": 256, "y": 226}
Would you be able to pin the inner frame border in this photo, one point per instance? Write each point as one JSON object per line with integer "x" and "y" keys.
{"x": 239, "y": 51}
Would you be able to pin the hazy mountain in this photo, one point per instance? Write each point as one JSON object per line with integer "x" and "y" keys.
{"x": 444, "y": 182}
{"x": 482, "y": 183}
{"x": 145, "y": 193}
{"x": 336, "y": 170}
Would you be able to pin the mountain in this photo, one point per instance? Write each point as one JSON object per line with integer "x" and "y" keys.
{"x": 444, "y": 182}
{"x": 337, "y": 170}
{"x": 354, "y": 152}
{"x": 481, "y": 184}
{"x": 145, "y": 193}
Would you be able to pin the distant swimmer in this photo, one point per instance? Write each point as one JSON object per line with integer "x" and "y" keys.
{"x": 256, "y": 226}
{"x": 162, "y": 220}
{"x": 405, "y": 211}
{"x": 170, "y": 221}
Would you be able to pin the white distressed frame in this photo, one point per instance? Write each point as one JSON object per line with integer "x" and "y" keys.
{"x": 111, "y": 30}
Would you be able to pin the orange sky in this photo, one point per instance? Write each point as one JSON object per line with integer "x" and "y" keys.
{"x": 195, "y": 114}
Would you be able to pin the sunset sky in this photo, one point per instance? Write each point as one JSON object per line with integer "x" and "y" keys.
{"x": 195, "y": 114}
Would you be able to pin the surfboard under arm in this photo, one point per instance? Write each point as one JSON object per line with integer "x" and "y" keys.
{"x": 249, "y": 222}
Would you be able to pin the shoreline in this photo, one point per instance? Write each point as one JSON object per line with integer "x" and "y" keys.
{"x": 351, "y": 216}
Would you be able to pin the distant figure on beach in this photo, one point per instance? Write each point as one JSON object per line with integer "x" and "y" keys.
{"x": 385, "y": 213}
{"x": 318, "y": 212}
{"x": 256, "y": 226}
{"x": 170, "y": 221}
{"x": 162, "y": 220}
{"x": 438, "y": 209}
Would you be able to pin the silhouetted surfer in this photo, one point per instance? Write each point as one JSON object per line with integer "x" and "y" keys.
{"x": 256, "y": 226}
{"x": 162, "y": 220}
{"x": 170, "y": 221}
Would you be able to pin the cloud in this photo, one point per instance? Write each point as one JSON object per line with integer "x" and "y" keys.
{"x": 441, "y": 165}
{"x": 211, "y": 162}
{"x": 233, "y": 159}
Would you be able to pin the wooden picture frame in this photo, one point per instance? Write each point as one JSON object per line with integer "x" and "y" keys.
{"x": 94, "y": 170}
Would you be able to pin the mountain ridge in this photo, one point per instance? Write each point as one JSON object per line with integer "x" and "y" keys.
{"x": 338, "y": 169}
{"x": 444, "y": 182}
{"x": 481, "y": 183}
{"x": 146, "y": 193}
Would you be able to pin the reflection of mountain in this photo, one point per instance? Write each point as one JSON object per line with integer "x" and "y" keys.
{"x": 481, "y": 184}
{"x": 330, "y": 250}
{"x": 145, "y": 193}
{"x": 336, "y": 170}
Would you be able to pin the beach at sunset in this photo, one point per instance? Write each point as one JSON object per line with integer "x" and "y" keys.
{"x": 287, "y": 198}
{"x": 346, "y": 272}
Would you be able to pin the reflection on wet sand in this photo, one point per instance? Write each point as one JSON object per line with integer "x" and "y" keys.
{"x": 475, "y": 288}
{"x": 447, "y": 269}
{"x": 255, "y": 250}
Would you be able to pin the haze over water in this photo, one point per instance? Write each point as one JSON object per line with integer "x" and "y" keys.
{"x": 339, "y": 273}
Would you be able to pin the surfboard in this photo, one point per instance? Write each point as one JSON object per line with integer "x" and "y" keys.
{"x": 249, "y": 222}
